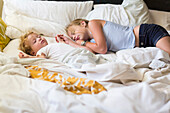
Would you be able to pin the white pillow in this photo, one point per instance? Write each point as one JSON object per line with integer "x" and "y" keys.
{"x": 137, "y": 11}
{"x": 164, "y": 21}
{"x": 22, "y": 24}
{"x": 3, "y": 7}
{"x": 109, "y": 12}
{"x": 13, "y": 32}
{"x": 60, "y": 12}
{"x": 12, "y": 48}
{"x": 130, "y": 12}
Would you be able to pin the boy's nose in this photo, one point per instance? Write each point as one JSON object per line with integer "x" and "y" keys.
{"x": 39, "y": 38}
{"x": 74, "y": 37}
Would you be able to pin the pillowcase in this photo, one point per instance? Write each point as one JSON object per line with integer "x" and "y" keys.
{"x": 20, "y": 24}
{"x": 13, "y": 32}
{"x": 137, "y": 11}
{"x": 164, "y": 21}
{"x": 3, "y": 38}
{"x": 130, "y": 12}
{"x": 109, "y": 12}
{"x": 60, "y": 12}
{"x": 12, "y": 48}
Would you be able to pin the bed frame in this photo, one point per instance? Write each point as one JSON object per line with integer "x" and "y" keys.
{"x": 161, "y": 5}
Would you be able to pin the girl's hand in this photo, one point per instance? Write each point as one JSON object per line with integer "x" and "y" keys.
{"x": 66, "y": 40}
{"x": 59, "y": 39}
{"x": 72, "y": 43}
{"x": 79, "y": 41}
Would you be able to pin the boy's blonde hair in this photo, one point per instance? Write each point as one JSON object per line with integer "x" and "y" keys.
{"x": 23, "y": 46}
{"x": 76, "y": 22}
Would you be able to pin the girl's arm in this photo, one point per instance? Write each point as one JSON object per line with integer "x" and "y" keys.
{"x": 72, "y": 43}
{"x": 96, "y": 28}
{"x": 24, "y": 55}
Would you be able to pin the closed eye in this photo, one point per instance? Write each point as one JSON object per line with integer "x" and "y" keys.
{"x": 38, "y": 36}
{"x": 72, "y": 33}
{"x": 34, "y": 41}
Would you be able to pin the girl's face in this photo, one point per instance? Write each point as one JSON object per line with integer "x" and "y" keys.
{"x": 78, "y": 32}
{"x": 36, "y": 42}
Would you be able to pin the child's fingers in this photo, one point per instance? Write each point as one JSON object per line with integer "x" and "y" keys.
{"x": 61, "y": 38}
{"x": 59, "y": 35}
{"x": 64, "y": 38}
{"x": 21, "y": 55}
{"x": 56, "y": 39}
{"x": 43, "y": 54}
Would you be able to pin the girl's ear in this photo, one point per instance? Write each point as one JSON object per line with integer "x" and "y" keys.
{"x": 83, "y": 23}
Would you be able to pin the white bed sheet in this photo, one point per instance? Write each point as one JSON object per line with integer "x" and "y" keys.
{"x": 148, "y": 92}
{"x": 37, "y": 96}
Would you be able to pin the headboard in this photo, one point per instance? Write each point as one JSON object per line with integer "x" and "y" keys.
{"x": 161, "y": 5}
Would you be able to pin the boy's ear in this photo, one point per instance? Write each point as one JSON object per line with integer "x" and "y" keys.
{"x": 33, "y": 53}
{"x": 83, "y": 23}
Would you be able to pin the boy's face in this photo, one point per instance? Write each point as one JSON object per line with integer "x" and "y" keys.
{"x": 36, "y": 42}
{"x": 78, "y": 32}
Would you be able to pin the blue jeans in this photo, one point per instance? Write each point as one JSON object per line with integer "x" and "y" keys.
{"x": 149, "y": 34}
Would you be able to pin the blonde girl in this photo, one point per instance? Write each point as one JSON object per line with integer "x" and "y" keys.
{"x": 101, "y": 36}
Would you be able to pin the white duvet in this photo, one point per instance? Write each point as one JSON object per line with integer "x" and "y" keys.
{"x": 135, "y": 84}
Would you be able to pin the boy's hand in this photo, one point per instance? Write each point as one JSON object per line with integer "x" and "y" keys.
{"x": 23, "y": 55}
{"x": 41, "y": 56}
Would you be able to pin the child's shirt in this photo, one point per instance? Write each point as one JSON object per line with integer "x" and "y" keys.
{"x": 74, "y": 57}
{"x": 118, "y": 37}
{"x": 56, "y": 51}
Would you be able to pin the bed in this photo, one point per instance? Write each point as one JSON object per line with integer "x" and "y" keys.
{"x": 131, "y": 81}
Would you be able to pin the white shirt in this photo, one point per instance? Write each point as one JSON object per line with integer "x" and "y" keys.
{"x": 74, "y": 57}
{"x": 56, "y": 51}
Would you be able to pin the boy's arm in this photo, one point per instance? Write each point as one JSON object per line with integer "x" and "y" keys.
{"x": 24, "y": 55}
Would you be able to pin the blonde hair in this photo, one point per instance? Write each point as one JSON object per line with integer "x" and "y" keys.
{"x": 76, "y": 22}
{"x": 23, "y": 46}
